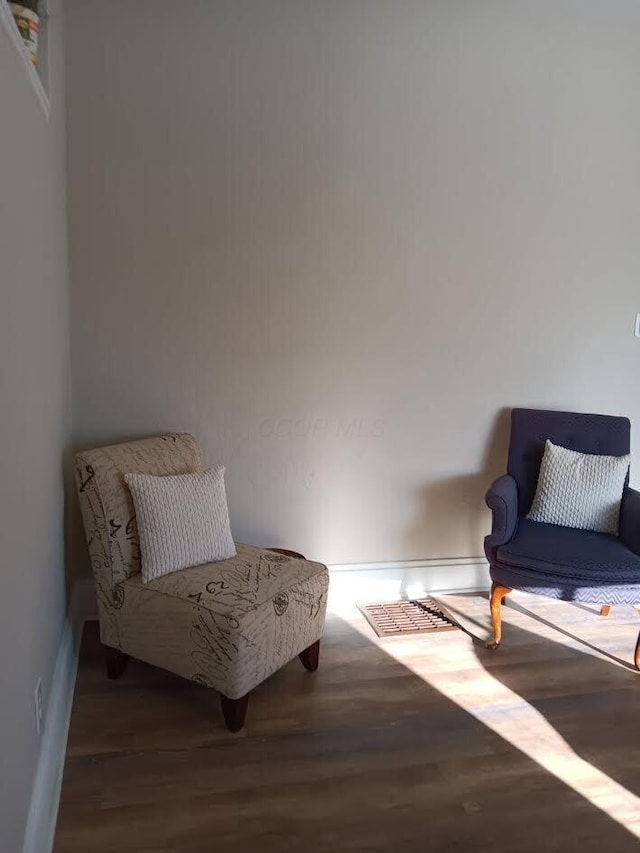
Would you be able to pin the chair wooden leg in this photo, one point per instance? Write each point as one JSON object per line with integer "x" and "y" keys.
{"x": 310, "y": 655}
{"x": 234, "y": 711}
{"x": 116, "y": 661}
{"x": 498, "y": 595}
{"x": 605, "y": 610}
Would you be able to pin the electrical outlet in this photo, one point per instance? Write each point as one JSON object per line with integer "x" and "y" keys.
{"x": 37, "y": 701}
{"x": 637, "y": 326}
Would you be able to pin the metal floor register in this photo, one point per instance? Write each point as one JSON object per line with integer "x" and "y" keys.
{"x": 417, "y": 616}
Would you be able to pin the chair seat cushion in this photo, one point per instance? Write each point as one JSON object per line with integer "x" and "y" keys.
{"x": 229, "y": 624}
{"x": 574, "y": 565}
{"x": 240, "y": 584}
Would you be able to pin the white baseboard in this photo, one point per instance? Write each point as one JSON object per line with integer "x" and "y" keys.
{"x": 45, "y": 796}
{"x": 367, "y": 581}
{"x": 377, "y": 581}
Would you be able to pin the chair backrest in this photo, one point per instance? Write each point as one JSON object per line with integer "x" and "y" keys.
{"x": 604, "y": 435}
{"x": 105, "y": 500}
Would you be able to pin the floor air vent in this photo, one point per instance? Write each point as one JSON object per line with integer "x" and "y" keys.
{"x": 397, "y": 618}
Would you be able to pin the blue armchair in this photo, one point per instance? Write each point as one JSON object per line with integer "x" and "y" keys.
{"x": 560, "y": 562}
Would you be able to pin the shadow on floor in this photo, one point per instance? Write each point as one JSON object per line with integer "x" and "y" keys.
{"x": 599, "y": 719}
{"x": 363, "y": 755}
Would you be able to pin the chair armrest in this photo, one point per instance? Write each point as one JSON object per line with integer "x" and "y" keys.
{"x": 502, "y": 500}
{"x": 630, "y": 520}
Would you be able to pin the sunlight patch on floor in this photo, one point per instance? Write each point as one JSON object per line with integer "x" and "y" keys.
{"x": 513, "y": 719}
{"x": 463, "y": 680}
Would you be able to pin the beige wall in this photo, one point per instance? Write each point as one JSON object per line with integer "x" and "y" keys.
{"x": 35, "y": 416}
{"x": 335, "y": 239}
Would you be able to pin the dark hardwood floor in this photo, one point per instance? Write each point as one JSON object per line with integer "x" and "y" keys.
{"x": 422, "y": 743}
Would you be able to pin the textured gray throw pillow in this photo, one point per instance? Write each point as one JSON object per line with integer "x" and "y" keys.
{"x": 182, "y": 519}
{"x": 580, "y": 490}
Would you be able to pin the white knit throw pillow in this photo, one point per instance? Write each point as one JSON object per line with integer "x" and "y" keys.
{"x": 182, "y": 520}
{"x": 582, "y": 490}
